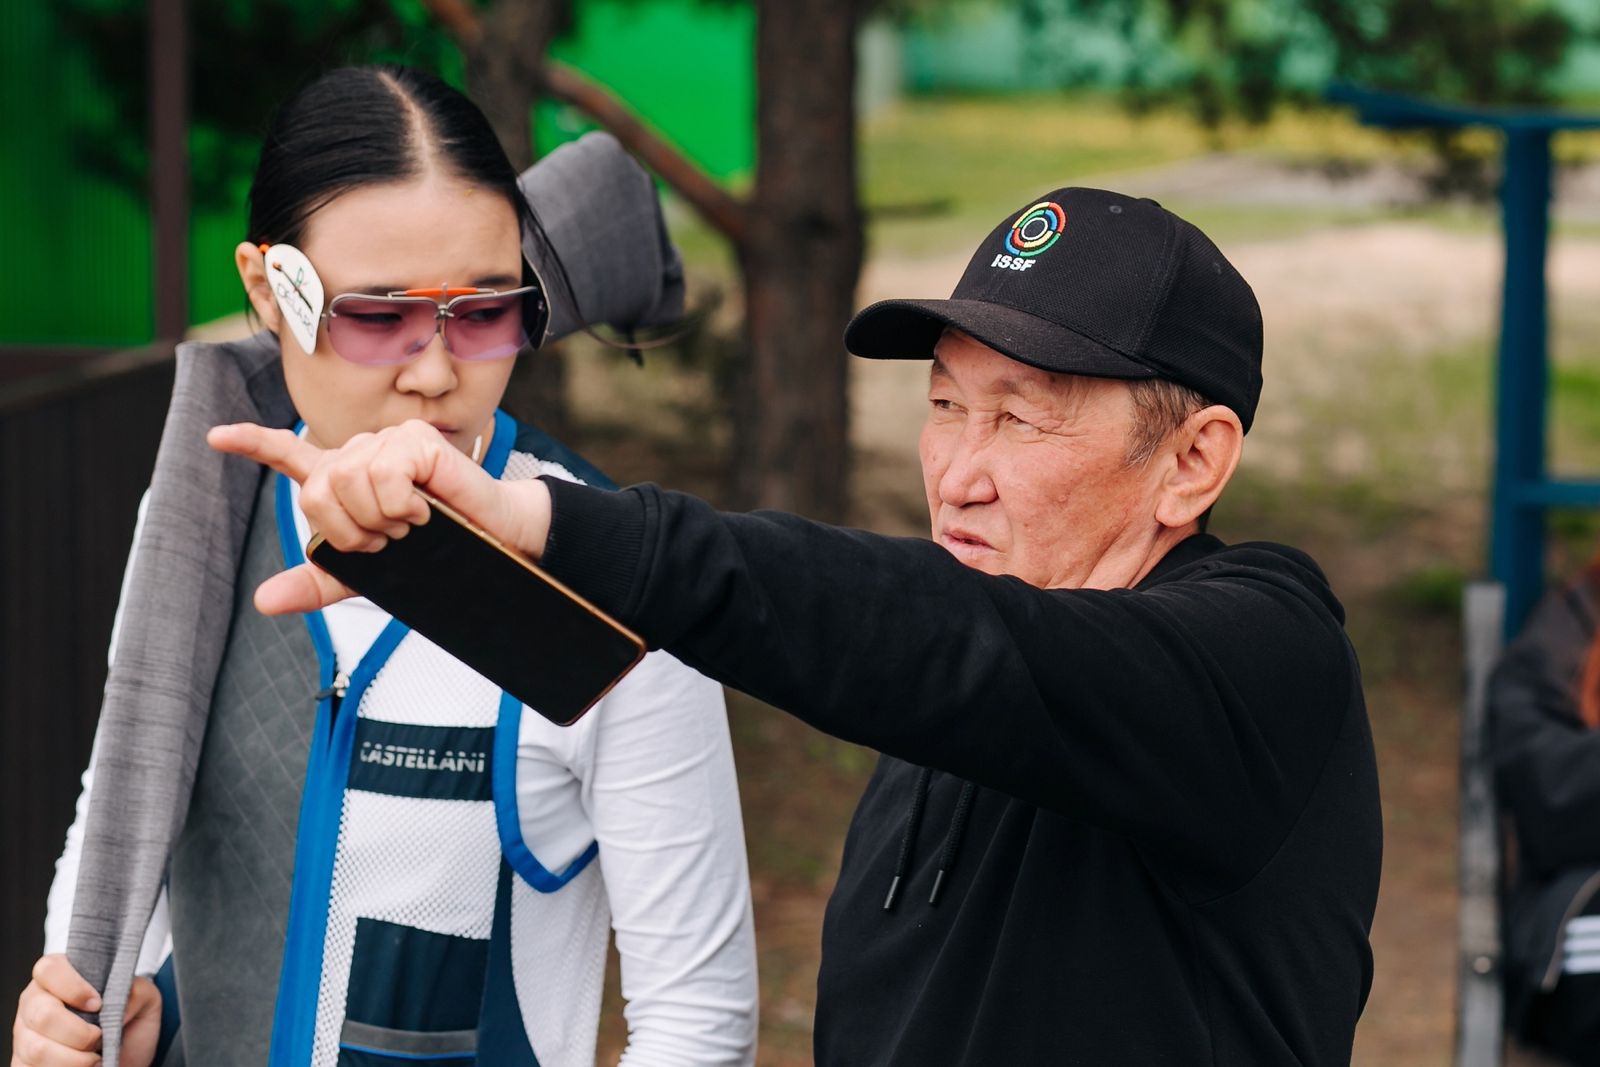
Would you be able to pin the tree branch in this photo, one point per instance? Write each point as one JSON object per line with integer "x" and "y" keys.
{"x": 459, "y": 18}
{"x": 726, "y": 213}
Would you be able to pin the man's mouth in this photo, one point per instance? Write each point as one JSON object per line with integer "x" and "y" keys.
{"x": 961, "y": 539}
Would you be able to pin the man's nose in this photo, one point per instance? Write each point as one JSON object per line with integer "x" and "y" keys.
{"x": 966, "y": 478}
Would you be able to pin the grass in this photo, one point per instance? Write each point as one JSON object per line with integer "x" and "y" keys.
{"x": 1433, "y": 589}
{"x": 936, "y": 170}
{"x": 976, "y": 148}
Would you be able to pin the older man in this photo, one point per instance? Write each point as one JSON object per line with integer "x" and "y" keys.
{"x": 1127, "y": 811}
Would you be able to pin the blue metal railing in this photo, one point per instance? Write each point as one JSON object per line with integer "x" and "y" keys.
{"x": 1521, "y": 492}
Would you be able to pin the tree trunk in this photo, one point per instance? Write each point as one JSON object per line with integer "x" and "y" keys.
{"x": 503, "y": 68}
{"x": 503, "y": 76}
{"x": 800, "y": 259}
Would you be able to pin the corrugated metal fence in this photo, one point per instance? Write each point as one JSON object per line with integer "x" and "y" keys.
{"x": 78, "y": 436}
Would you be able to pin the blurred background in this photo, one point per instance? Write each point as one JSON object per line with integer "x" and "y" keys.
{"x": 816, "y": 155}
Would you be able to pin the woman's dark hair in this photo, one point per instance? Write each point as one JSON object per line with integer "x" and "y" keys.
{"x": 359, "y": 126}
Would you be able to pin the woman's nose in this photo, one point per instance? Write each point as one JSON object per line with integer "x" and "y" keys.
{"x": 432, "y": 373}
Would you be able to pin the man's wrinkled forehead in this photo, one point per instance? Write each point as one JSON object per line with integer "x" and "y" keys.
{"x": 1005, "y": 376}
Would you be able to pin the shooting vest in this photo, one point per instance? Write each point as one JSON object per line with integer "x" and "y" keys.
{"x": 351, "y": 887}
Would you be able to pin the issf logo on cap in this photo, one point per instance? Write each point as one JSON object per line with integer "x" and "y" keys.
{"x": 1035, "y": 230}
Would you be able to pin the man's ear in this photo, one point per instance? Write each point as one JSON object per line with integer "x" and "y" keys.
{"x": 1202, "y": 455}
{"x": 252, "y": 266}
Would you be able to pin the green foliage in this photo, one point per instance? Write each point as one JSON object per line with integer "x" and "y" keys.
{"x": 246, "y": 57}
{"x": 1473, "y": 51}
{"x": 1239, "y": 57}
{"x": 1221, "y": 57}
{"x": 1226, "y": 58}
{"x": 1497, "y": 52}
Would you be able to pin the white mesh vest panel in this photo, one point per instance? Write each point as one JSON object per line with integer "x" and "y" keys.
{"x": 414, "y": 846}
{"x": 422, "y": 863}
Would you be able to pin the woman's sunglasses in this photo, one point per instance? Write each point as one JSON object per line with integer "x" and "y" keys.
{"x": 478, "y": 325}
{"x": 383, "y": 330}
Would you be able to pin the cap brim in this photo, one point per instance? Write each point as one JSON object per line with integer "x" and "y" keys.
{"x": 908, "y": 329}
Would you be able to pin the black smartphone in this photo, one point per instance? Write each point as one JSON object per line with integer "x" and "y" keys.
{"x": 493, "y": 610}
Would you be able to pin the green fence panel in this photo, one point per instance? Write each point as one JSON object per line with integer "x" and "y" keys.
{"x": 74, "y": 248}
{"x": 686, "y": 68}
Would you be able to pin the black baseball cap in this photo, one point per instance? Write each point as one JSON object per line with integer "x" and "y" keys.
{"x": 1084, "y": 281}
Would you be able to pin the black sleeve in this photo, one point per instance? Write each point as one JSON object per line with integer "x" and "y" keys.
{"x": 1547, "y": 763}
{"x": 1193, "y": 716}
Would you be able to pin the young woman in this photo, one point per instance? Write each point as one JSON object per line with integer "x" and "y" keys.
{"x": 383, "y": 858}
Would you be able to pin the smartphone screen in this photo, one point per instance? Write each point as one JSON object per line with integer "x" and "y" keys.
{"x": 494, "y": 611}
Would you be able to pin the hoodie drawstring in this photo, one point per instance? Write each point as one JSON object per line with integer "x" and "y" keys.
{"x": 952, "y": 839}
{"x": 919, "y": 800}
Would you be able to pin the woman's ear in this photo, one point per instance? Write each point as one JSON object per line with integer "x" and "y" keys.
{"x": 252, "y": 264}
{"x": 1202, "y": 455}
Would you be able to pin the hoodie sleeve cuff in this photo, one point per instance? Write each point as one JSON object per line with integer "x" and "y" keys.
{"x": 596, "y": 543}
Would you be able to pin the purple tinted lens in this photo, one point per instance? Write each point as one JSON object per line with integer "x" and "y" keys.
{"x": 378, "y": 330}
{"x": 486, "y": 327}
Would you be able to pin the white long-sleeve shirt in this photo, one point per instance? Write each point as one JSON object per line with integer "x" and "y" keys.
{"x": 648, "y": 774}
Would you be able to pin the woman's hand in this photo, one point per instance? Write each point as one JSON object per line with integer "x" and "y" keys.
{"x": 361, "y": 495}
{"x": 47, "y": 1034}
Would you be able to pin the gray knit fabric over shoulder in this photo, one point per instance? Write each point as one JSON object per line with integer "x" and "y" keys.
{"x": 174, "y": 626}
{"x": 601, "y": 213}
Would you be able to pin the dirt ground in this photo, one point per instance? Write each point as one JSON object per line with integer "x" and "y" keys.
{"x": 1380, "y": 491}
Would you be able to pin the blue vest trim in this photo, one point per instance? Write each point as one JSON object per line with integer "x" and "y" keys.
{"x": 515, "y": 849}
{"x": 167, "y": 983}
{"x": 505, "y": 436}
{"x": 317, "y": 835}
{"x": 502, "y": 1037}
{"x": 294, "y": 554}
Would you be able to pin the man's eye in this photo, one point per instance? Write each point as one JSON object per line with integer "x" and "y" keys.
{"x": 1021, "y": 423}
{"x": 941, "y": 404}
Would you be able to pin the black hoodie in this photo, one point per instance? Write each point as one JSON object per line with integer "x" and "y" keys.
{"x": 1169, "y": 849}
